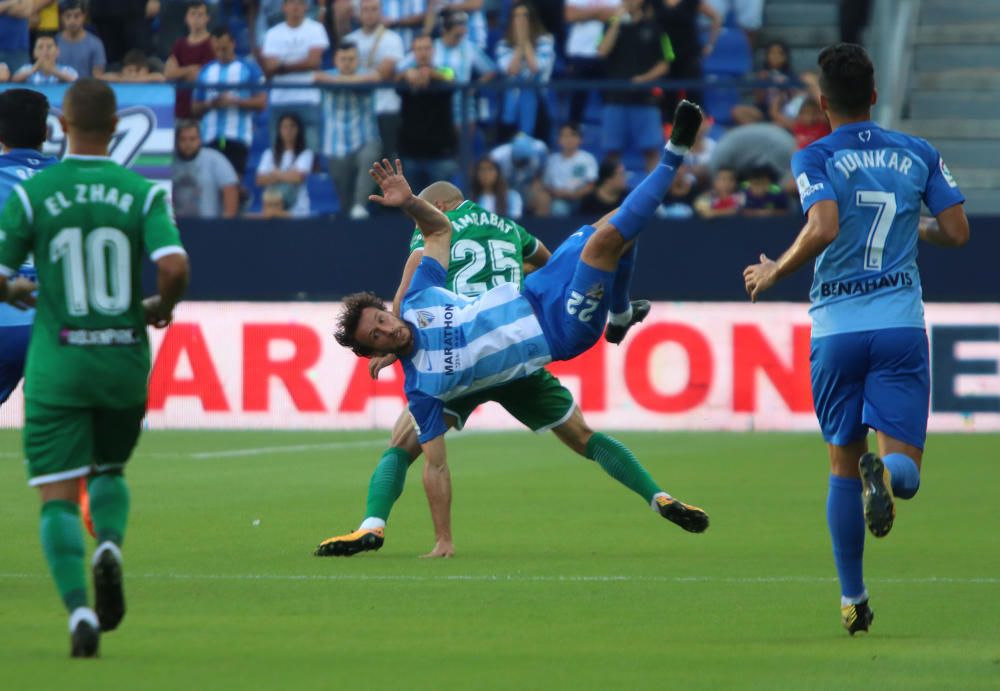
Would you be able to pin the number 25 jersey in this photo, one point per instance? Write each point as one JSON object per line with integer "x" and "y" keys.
{"x": 867, "y": 278}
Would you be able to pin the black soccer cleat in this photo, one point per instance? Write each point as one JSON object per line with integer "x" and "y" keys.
{"x": 687, "y": 122}
{"x": 857, "y": 618}
{"x": 688, "y": 517}
{"x": 85, "y": 636}
{"x": 352, "y": 543}
{"x": 615, "y": 333}
{"x": 108, "y": 593}
{"x": 876, "y": 495}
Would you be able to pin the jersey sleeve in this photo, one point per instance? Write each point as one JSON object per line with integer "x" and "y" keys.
{"x": 942, "y": 191}
{"x": 416, "y": 240}
{"x": 809, "y": 169}
{"x": 428, "y": 416}
{"x": 429, "y": 274}
{"x": 16, "y": 232}
{"x": 160, "y": 232}
{"x": 527, "y": 242}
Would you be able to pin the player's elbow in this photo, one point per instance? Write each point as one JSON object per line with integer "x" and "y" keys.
{"x": 174, "y": 270}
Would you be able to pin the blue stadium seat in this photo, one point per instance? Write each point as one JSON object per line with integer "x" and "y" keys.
{"x": 323, "y": 199}
{"x": 731, "y": 58}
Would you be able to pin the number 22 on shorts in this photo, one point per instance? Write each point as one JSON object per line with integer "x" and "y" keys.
{"x": 589, "y": 305}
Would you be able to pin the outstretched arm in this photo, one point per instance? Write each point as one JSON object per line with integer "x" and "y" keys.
{"x": 820, "y": 230}
{"x": 433, "y": 224}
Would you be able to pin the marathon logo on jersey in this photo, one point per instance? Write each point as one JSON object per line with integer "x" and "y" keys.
{"x": 900, "y": 279}
{"x": 805, "y": 187}
{"x": 948, "y": 177}
{"x": 424, "y": 319}
{"x": 450, "y": 355}
{"x": 596, "y": 292}
{"x": 99, "y": 337}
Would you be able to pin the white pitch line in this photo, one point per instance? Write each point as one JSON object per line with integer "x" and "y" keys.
{"x": 523, "y": 578}
{"x": 294, "y": 448}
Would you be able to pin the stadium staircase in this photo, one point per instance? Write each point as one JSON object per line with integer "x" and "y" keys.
{"x": 954, "y": 94}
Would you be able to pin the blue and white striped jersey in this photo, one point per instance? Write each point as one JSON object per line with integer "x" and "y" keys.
{"x": 348, "y": 120}
{"x": 16, "y": 166}
{"x": 477, "y": 25}
{"x": 398, "y": 9}
{"x": 462, "y": 345}
{"x": 867, "y": 278}
{"x": 228, "y": 123}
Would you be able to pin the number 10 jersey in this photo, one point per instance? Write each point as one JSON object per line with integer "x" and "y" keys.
{"x": 867, "y": 278}
{"x": 87, "y": 221}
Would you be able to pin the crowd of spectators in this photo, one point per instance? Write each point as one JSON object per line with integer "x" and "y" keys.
{"x": 537, "y": 151}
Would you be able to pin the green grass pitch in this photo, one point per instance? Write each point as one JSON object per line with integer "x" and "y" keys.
{"x": 562, "y": 578}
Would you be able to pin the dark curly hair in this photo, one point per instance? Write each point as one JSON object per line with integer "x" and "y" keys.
{"x": 350, "y": 315}
{"x": 847, "y": 78}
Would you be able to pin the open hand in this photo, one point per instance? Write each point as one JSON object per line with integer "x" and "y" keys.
{"x": 442, "y": 548}
{"x": 395, "y": 189}
{"x": 759, "y": 277}
{"x": 379, "y": 363}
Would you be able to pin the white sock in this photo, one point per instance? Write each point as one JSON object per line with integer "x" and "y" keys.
{"x": 856, "y": 600}
{"x": 676, "y": 150}
{"x": 83, "y": 614}
{"x": 371, "y": 523}
{"x": 653, "y": 503}
{"x": 621, "y": 318}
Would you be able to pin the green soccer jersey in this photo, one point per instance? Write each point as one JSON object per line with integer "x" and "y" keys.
{"x": 87, "y": 221}
{"x": 487, "y": 250}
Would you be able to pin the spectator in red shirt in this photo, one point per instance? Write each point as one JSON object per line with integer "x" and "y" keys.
{"x": 810, "y": 124}
{"x": 724, "y": 198}
{"x": 189, "y": 54}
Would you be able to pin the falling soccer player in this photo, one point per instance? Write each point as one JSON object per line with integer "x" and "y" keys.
{"x": 452, "y": 346}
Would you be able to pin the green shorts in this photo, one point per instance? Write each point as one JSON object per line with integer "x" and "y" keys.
{"x": 61, "y": 443}
{"x": 538, "y": 401}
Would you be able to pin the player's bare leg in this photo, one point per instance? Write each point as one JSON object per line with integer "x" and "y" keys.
{"x": 618, "y": 461}
{"x": 62, "y": 542}
{"x": 384, "y": 489}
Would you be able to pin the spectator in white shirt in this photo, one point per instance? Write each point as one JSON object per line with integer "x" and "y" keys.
{"x": 527, "y": 52}
{"x": 292, "y": 51}
{"x": 490, "y": 191}
{"x": 286, "y": 165}
{"x": 204, "y": 183}
{"x": 570, "y": 174}
{"x": 584, "y": 27}
{"x": 379, "y": 51}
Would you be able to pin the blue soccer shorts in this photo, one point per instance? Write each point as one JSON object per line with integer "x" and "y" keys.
{"x": 630, "y": 126}
{"x": 13, "y": 348}
{"x": 571, "y": 299}
{"x": 872, "y": 379}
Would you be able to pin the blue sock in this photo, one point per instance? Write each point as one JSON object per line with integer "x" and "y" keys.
{"x": 623, "y": 281}
{"x": 845, "y": 516}
{"x": 905, "y": 475}
{"x": 641, "y": 203}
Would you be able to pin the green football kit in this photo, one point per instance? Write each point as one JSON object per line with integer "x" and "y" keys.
{"x": 87, "y": 221}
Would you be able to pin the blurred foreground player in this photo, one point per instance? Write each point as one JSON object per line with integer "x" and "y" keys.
{"x": 23, "y": 130}
{"x": 862, "y": 187}
{"x": 87, "y": 221}
{"x": 452, "y": 346}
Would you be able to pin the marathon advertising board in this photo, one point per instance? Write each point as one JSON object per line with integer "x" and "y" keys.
{"x": 688, "y": 366}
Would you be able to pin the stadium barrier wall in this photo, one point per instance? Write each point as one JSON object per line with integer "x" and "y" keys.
{"x": 689, "y": 366}
{"x": 696, "y": 260}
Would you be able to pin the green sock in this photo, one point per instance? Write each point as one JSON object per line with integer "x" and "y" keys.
{"x": 109, "y": 502}
{"x": 62, "y": 542}
{"x": 387, "y": 483}
{"x": 622, "y": 465}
